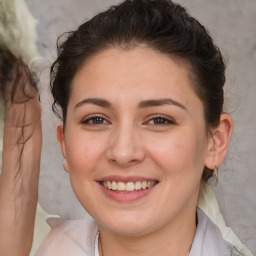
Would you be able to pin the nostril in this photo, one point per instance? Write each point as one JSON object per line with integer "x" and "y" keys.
{"x": 124, "y": 160}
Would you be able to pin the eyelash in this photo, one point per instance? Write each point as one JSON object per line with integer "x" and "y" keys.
{"x": 99, "y": 120}
{"x": 95, "y": 118}
{"x": 164, "y": 121}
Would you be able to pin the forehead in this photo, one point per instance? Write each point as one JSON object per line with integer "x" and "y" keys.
{"x": 139, "y": 73}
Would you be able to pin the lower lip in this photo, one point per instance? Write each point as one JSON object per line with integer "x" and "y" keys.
{"x": 126, "y": 196}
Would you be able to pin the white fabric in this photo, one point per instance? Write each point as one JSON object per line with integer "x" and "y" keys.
{"x": 79, "y": 237}
{"x": 208, "y": 239}
{"x": 70, "y": 237}
{"x": 18, "y": 30}
{"x": 207, "y": 202}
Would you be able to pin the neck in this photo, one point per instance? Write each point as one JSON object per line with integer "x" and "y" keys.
{"x": 175, "y": 238}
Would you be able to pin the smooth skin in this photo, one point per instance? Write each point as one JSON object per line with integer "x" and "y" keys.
{"x": 20, "y": 170}
{"x": 134, "y": 113}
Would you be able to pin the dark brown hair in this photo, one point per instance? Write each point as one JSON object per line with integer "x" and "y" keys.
{"x": 160, "y": 25}
{"x": 16, "y": 84}
{"x": 14, "y": 76}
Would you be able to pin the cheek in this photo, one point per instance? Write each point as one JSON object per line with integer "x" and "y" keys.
{"x": 180, "y": 153}
{"x": 83, "y": 153}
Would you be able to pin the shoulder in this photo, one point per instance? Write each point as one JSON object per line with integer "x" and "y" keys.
{"x": 69, "y": 237}
{"x": 209, "y": 240}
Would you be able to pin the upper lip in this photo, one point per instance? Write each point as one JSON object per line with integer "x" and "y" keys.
{"x": 125, "y": 179}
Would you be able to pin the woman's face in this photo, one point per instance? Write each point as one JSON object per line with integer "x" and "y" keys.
{"x": 135, "y": 140}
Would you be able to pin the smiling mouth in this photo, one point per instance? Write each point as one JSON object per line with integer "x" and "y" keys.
{"x": 130, "y": 186}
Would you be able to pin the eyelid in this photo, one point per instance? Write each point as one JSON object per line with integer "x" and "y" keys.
{"x": 86, "y": 119}
{"x": 170, "y": 120}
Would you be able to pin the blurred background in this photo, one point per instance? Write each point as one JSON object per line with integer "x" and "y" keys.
{"x": 232, "y": 25}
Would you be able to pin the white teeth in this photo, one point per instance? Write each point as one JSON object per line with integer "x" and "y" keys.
{"x": 138, "y": 185}
{"x": 150, "y": 184}
{"x": 109, "y": 184}
{"x": 121, "y": 186}
{"x": 144, "y": 185}
{"x": 114, "y": 185}
{"x": 129, "y": 186}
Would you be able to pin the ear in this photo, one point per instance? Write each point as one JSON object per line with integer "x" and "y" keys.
{"x": 62, "y": 144}
{"x": 219, "y": 141}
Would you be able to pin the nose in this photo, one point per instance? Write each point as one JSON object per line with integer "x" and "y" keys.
{"x": 125, "y": 147}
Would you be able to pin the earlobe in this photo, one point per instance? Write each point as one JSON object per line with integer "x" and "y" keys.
{"x": 219, "y": 142}
{"x": 61, "y": 141}
{"x": 65, "y": 165}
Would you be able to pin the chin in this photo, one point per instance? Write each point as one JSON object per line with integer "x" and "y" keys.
{"x": 128, "y": 225}
{"x": 127, "y": 230}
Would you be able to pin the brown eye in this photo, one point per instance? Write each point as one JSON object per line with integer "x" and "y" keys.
{"x": 95, "y": 120}
{"x": 160, "y": 121}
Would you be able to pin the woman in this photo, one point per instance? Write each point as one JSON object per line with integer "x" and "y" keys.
{"x": 22, "y": 129}
{"x": 140, "y": 91}
{"x": 21, "y": 159}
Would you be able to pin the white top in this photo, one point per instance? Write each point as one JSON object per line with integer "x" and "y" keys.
{"x": 80, "y": 238}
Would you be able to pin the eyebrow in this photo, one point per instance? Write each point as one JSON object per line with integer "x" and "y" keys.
{"x": 143, "y": 104}
{"x": 96, "y": 101}
{"x": 160, "y": 102}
